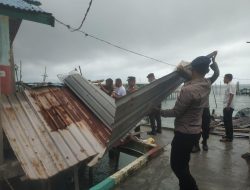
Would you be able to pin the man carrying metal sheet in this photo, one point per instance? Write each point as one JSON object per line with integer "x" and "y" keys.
{"x": 206, "y": 118}
{"x": 188, "y": 112}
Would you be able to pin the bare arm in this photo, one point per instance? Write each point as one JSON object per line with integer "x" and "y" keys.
{"x": 216, "y": 74}
{"x": 104, "y": 89}
{"x": 215, "y": 68}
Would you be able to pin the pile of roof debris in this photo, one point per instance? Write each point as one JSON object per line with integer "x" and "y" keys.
{"x": 241, "y": 124}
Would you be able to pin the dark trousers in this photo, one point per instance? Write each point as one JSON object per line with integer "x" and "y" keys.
{"x": 155, "y": 116}
{"x": 182, "y": 145}
{"x": 228, "y": 122}
{"x": 206, "y": 119}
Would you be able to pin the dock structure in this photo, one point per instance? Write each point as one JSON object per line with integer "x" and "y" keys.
{"x": 173, "y": 95}
{"x": 244, "y": 91}
{"x": 222, "y": 163}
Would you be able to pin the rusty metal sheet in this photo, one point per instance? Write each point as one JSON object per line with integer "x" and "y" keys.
{"x": 125, "y": 113}
{"x": 50, "y": 130}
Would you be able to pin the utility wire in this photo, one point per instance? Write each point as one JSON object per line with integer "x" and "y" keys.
{"x": 84, "y": 18}
{"x": 119, "y": 47}
{"x": 112, "y": 44}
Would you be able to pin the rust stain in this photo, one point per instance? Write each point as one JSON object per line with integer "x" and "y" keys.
{"x": 37, "y": 165}
{"x": 11, "y": 113}
{"x": 60, "y": 108}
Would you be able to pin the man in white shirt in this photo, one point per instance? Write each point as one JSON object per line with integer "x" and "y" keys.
{"x": 228, "y": 108}
{"x": 119, "y": 89}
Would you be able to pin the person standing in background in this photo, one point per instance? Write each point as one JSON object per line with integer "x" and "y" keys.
{"x": 154, "y": 115}
{"x": 108, "y": 88}
{"x": 131, "y": 85}
{"x": 228, "y": 109}
{"x": 119, "y": 90}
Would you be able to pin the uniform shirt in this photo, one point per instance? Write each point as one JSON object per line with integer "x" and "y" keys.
{"x": 188, "y": 76}
{"x": 189, "y": 106}
{"x": 120, "y": 91}
{"x": 131, "y": 90}
{"x": 230, "y": 89}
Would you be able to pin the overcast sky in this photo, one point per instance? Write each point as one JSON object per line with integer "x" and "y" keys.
{"x": 168, "y": 30}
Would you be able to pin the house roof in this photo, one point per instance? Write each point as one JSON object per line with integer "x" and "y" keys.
{"x": 51, "y": 130}
{"x": 27, "y": 10}
{"x": 22, "y": 5}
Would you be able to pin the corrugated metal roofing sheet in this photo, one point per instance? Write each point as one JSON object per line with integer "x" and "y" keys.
{"x": 99, "y": 102}
{"x": 125, "y": 113}
{"x": 21, "y": 5}
{"x": 50, "y": 130}
{"x": 132, "y": 108}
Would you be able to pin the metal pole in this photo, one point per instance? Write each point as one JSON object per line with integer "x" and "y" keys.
{"x": 214, "y": 97}
{"x": 20, "y": 70}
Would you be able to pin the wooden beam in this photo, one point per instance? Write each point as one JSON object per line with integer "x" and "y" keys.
{"x": 44, "y": 18}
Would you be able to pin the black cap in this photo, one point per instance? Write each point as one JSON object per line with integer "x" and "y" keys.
{"x": 201, "y": 64}
{"x": 131, "y": 78}
{"x": 150, "y": 75}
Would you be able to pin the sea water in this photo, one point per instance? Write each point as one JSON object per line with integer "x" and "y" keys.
{"x": 215, "y": 101}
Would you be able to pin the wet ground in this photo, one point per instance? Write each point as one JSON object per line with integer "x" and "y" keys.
{"x": 221, "y": 168}
{"x": 218, "y": 169}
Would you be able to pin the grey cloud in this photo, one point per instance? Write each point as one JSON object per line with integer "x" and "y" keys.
{"x": 167, "y": 30}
